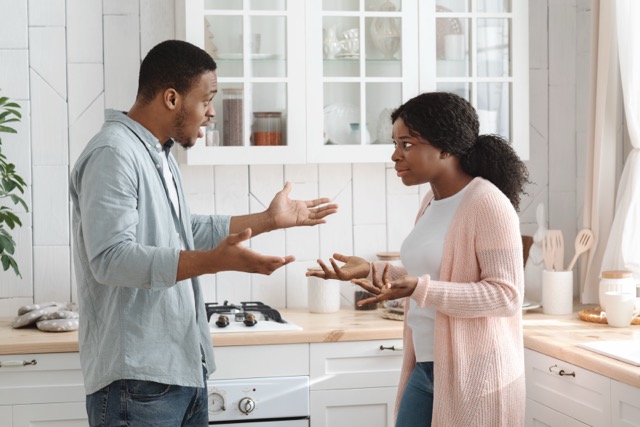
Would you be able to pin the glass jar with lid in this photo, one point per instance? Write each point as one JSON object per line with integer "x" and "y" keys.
{"x": 232, "y": 104}
{"x": 616, "y": 281}
{"x": 267, "y": 128}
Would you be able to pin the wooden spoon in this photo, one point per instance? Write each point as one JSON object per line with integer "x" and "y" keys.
{"x": 548, "y": 251}
{"x": 584, "y": 241}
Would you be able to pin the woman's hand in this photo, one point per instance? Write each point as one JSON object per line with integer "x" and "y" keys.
{"x": 354, "y": 268}
{"x": 385, "y": 290}
{"x": 286, "y": 213}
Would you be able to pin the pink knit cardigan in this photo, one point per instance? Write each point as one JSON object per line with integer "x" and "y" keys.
{"x": 478, "y": 349}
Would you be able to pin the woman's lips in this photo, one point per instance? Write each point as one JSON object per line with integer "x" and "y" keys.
{"x": 401, "y": 172}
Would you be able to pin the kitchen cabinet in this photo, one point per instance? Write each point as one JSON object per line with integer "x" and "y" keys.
{"x": 354, "y": 383}
{"x": 46, "y": 389}
{"x": 625, "y": 405}
{"x": 562, "y": 394}
{"x": 336, "y": 69}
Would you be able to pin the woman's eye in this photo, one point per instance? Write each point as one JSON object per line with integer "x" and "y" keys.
{"x": 406, "y": 145}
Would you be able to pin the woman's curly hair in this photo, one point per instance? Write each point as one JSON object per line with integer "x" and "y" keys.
{"x": 450, "y": 122}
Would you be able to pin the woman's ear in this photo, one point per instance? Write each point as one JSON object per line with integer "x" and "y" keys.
{"x": 444, "y": 155}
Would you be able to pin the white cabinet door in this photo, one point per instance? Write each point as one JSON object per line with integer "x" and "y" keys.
{"x": 260, "y": 53}
{"x": 370, "y": 407}
{"x": 537, "y": 415}
{"x": 50, "y": 415}
{"x": 568, "y": 389}
{"x": 625, "y": 405}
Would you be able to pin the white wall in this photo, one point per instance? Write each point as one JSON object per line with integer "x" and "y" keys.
{"x": 65, "y": 61}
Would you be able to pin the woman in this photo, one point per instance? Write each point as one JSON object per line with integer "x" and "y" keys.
{"x": 463, "y": 359}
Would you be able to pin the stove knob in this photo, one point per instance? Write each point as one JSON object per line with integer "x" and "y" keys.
{"x": 250, "y": 320}
{"x": 246, "y": 405}
{"x": 222, "y": 321}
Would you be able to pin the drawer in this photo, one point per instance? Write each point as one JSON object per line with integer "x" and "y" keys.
{"x": 537, "y": 415}
{"x": 261, "y": 361}
{"x": 355, "y": 364}
{"x": 568, "y": 389}
{"x": 54, "y": 377}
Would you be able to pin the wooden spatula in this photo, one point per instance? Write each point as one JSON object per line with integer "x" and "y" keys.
{"x": 558, "y": 250}
{"x": 584, "y": 241}
{"x": 548, "y": 254}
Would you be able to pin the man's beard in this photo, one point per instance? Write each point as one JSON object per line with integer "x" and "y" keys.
{"x": 182, "y": 140}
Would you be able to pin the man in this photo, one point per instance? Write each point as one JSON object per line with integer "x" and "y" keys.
{"x": 145, "y": 345}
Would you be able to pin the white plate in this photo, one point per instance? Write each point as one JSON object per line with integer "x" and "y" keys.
{"x": 530, "y": 307}
{"x": 252, "y": 56}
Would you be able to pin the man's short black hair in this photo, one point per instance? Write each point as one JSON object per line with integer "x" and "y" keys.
{"x": 172, "y": 64}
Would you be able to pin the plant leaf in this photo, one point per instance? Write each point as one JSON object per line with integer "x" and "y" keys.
{"x": 7, "y": 129}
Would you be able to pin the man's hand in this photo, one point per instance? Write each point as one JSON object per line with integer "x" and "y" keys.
{"x": 232, "y": 255}
{"x": 353, "y": 268}
{"x": 287, "y": 213}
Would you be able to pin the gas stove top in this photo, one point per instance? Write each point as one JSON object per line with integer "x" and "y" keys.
{"x": 248, "y": 316}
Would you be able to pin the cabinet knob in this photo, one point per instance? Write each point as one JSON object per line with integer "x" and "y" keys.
{"x": 14, "y": 363}
{"x": 392, "y": 348}
{"x": 556, "y": 370}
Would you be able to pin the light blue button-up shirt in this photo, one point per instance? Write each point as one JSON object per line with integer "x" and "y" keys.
{"x": 136, "y": 322}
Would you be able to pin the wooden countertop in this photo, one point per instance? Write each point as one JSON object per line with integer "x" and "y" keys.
{"x": 346, "y": 325}
{"x": 558, "y": 336}
{"x": 555, "y": 336}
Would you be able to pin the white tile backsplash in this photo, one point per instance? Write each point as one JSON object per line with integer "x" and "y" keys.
{"x": 121, "y": 60}
{"x": 13, "y": 28}
{"x": 84, "y": 32}
{"x": 50, "y": 205}
{"x": 14, "y": 79}
{"x": 85, "y": 127}
{"x": 51, "y": 273}
{"x": 47, "y": 13}
{"x": 47, "y": 57}
{"x": 49, "y": 126}
{"x": 86, "y": 84}
{"x": 369, "y": 203}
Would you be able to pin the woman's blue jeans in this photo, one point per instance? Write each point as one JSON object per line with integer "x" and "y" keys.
{"x": 146, "y": 403}
{"x": 416, "y": 404}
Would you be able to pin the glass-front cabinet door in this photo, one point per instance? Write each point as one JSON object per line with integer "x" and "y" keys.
{"x": 478, "y": 49}
{"x": 362, "y": 62}
{"x": 259, "y": 49}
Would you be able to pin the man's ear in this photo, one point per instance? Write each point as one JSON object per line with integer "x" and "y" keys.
{"x": 170, "y": 98}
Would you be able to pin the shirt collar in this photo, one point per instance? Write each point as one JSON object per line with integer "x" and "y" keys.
{"x": 142, "y": 132}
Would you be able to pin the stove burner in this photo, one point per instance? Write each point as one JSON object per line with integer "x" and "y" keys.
{"x": 242, "y": 313}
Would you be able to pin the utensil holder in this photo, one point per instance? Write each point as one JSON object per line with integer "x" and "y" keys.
{"x": 557, "y": 292}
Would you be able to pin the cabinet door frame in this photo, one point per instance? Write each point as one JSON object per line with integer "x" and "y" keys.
{"x": 519, "y": 97}
{"x": 189, "y": 26}
{"x": 317, "y": 150}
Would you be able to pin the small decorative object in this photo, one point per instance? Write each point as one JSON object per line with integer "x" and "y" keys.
{"x": 356, "y": 134}
{"x": 446, "y": 27}
{"x": 535, "y": 263}
{"x": 232, "y": 126}
{"x": 331, "y": 45}
{"x": 350, "y": 44}
{"x": 267, "y": 128}
{"x": 212, "y": 136}
{"x": 386, "y": 32}
{"x": 209, "y": 46}
{"x": 385, "y": 127}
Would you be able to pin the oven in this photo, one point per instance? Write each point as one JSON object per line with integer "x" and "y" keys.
{"x": 280, "y": 401}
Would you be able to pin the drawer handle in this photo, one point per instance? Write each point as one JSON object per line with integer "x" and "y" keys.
{"x": 13, "y": 363}
{"x": 555, "y": 370}
{"x": 392, "y": 348}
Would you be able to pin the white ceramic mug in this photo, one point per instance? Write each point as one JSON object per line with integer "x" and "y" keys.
{"x": 620, "y": 308}
{"x": 557, "y": 292}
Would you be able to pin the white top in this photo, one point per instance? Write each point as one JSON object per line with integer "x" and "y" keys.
{"x": 173, "y": 196}
{"x": 421, "y": 254}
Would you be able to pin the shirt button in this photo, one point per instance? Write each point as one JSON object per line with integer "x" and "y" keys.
{"x": 157, "y": 145}
{"x": 157, "y": 166}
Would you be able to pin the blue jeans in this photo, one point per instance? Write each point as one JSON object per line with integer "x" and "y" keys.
{"x": 146, "y": 403}
{"x": 416, "y": 404}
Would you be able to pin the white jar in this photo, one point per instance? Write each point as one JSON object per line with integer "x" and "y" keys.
{"x": 616, "y": 281}
{"x": 324, "y": 295}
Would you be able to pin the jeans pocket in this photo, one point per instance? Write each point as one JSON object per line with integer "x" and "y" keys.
{"x": 139, "y": 389}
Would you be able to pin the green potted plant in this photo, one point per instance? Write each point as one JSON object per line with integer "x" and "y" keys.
{"x": 10, "y": 184}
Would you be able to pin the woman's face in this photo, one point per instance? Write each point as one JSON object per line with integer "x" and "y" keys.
{"x": 416, "y": 161}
